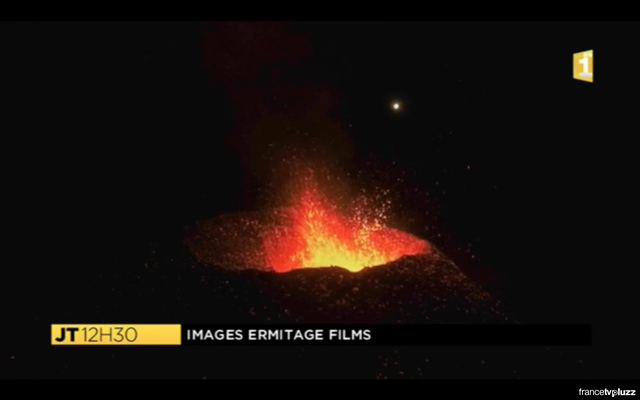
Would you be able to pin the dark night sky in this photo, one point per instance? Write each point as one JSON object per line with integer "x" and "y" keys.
{"x": 147, "y": 127}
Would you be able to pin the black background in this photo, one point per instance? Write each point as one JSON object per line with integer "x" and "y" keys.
{"x": 121, "y": 134}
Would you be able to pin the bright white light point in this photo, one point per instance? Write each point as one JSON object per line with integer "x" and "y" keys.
{"x": 396, "y": 106}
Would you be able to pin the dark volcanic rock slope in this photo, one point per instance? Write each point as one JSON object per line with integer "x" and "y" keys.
{"x": 415, "y": 289}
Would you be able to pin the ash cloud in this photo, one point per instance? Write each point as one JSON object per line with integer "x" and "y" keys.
{"x": 284, "y": 109}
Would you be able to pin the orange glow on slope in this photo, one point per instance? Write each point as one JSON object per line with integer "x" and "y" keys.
{"x": 317, "y": 234}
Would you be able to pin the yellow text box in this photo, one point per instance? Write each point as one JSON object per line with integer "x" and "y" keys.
{"x": 103, "y": 334}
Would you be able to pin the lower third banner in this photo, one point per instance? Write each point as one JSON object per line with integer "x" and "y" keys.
{"x": 371, "y": 335}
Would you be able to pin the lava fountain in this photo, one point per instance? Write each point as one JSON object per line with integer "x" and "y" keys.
{"x": 311, "y": 232}
{"x": 318, "y": 234}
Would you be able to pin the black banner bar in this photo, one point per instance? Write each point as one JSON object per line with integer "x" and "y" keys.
{"x": 388, "y": 335}
{"x": 605, "y": 389}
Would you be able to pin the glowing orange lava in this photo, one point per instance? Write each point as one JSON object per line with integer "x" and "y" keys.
{"x": 317, "y": 234}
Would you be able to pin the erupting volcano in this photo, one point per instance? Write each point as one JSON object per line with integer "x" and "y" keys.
{"x": 317, "y": 234}
{"x": 312, "y": 231}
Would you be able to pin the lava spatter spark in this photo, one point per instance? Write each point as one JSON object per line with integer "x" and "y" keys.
{"x": 318, "y": 234}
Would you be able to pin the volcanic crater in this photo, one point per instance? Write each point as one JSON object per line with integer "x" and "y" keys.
{"x": 389, "y": 277}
